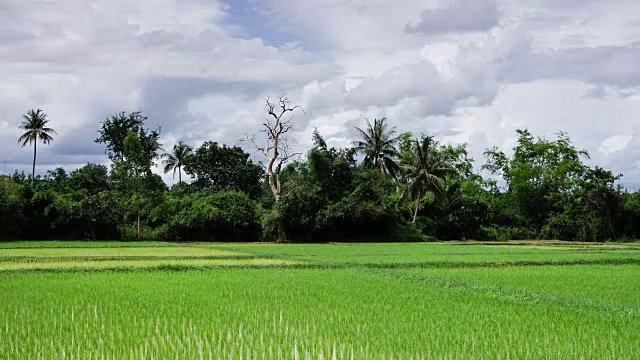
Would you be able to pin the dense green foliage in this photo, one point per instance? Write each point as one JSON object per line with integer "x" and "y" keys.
{"x": 220, "y": 216}
{"x": 386, "y": 187}
{"x": 551, "y": 193}
{"x": 291, "y": 301}
{"x": 224, "y": 168}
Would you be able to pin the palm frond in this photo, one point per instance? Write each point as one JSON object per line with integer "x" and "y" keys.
{"x": 177, "y": 158}
{"x": 46, "y": 138}
{"x": 34, "y": 122}
{"x": 378, "y": 146}
{"x": 26, "y": 138}
{"x": 366, "y": 136}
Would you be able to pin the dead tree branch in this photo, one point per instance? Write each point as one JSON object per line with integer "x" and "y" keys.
{"x": 278, "y": 149}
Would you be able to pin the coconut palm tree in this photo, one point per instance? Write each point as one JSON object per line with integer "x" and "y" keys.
{"x": 378, "y": 146}
{"x": 425, "y": 170}
{"x": 35, "y": 124}
{"x": 176, "y": 159}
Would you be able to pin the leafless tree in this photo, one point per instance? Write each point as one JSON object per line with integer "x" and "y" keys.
{"x": 278, "y": 122}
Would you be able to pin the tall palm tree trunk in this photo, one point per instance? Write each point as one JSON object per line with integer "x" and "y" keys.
{"x": 33, "y": 170}
{"x": 415, "y": 213}
{"x": 179, "y": 174}
{"x": 380, "y": 165}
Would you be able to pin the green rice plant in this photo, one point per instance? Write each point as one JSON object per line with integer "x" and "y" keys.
{"x": 436, "y": 254}
{"x": 331, "y": 301}
{"x": 292, "y": 314}
{"x": 605, "y": 285}
{"x": 81, "y": 244}
{"x": 125, "y": 264}
{"x": 119, "y": 252}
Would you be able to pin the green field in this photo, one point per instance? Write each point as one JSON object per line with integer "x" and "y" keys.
{"x": 319, "y": 301}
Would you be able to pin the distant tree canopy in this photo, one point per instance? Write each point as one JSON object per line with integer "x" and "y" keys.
{"x": 115, "y": 129}
{"x": 549, "y": 189}
{"x": 405, "y": 188}
{"x": 225, "y": 168}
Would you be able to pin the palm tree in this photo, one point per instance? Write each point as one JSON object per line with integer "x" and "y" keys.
{"x": 35, "y": 124}
{"x": 176, "y": 159}
{"x": 378, "y": 146}
{"x": 425, "y": 170}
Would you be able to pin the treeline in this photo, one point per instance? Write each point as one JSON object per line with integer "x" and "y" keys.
{"x": 387, "y": 186}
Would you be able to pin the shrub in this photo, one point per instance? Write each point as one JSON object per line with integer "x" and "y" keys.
{"x": 222, "y": 216}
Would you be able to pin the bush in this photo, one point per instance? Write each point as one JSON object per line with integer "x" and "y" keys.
{"x": 12, "y": 206}
{"x": 369, "y": 211}
{"x": 222, "y": 216}
{"x": 130, "y": 233}
{"x": 504, "y": 233}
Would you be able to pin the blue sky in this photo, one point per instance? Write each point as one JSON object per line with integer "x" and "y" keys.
{"x": 468, "y": 72}
{"x": 249, "y": 19}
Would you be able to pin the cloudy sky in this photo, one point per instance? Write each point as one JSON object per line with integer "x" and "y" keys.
{"x": 465, "y": 71}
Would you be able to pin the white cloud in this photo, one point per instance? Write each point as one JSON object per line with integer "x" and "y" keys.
{"x": 466, "y": 72}
{"x": 457, "y": 16}
{"x": 615, "y": 143}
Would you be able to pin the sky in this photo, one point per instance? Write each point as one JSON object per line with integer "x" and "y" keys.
{"x": 464, "y": 71}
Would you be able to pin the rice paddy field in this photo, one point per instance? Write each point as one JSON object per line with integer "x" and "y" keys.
{"x": 526, "y": 300}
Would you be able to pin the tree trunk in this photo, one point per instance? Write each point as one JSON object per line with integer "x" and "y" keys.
{"x": 281, "y": 235}
{"x": 275, "y": 190}
{"x": 138, "y": 225}
{"x": 380, "y": 166}
{"x": 415, "y": 213}
{"x": 33, "y": 170}
{"x": 179, "y": 175}
{"x": 273, "y": 186}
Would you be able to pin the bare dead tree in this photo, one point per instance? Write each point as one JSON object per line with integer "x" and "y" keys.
{"x": 278, "y": 148}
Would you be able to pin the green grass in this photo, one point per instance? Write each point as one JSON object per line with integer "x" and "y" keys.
{"x": 226, "y": 313}
{"x": 360, "y": 301}
{"x": 440, "y": 254}
{"x": 120, "y": 252}
{"x": 81, "y": 244}
{"x": 148, "y": 264}
{"x": 606, "y": 285}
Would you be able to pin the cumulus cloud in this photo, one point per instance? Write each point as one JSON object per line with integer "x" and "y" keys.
{"x": 615, "y": 143}
{"x": 84, "y": 62}
{"x": 603, "y": 65}
{"x": 464, "y": 71}
{"x": 434, "y": 93}
{"x": 457, "y": 16}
